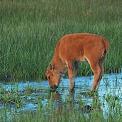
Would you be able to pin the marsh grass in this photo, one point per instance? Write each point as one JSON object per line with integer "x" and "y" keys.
{"x": 10, "y": 97}
{"x": 15, "y": 96}
{"x": 68, "y": 112}
{"x": 30, "y": 29}
{"x": 57, "y": 108}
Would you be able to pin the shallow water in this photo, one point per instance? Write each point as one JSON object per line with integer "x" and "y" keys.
{"x": 110, "y": 85}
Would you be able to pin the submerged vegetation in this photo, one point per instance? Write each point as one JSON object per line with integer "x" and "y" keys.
{"x": 55, "y": 109}
{"x": 33, "y": 101}
{"x": 30, "y": 29}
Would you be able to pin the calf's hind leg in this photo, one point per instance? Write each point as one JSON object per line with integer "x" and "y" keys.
{"x": 97, "y": 69}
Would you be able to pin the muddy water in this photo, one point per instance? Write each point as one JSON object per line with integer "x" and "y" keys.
{"x": 110, "y": 85}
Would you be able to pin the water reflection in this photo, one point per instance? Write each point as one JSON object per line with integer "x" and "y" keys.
{"x": 72, "y": 102}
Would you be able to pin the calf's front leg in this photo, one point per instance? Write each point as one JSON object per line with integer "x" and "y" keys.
{"x": 71, "y": 76}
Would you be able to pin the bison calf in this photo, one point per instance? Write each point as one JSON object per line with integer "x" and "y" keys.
{"x": 73, "y": 48}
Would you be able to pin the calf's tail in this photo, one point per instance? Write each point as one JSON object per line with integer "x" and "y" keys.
{"x": 106, "y": 42}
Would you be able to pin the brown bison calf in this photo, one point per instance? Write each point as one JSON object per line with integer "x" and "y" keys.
{"x": 73, "y": 48}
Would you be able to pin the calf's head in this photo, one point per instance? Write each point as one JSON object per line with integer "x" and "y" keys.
{"x": 53, "y": 77}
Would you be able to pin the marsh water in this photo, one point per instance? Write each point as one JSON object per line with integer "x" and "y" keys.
{"x": 39, "y": 92}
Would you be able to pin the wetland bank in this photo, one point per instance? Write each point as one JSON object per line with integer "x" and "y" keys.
{"x": 29, "y": 31}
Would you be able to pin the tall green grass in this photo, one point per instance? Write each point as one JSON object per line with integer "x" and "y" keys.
{"x": 30, "y": 29}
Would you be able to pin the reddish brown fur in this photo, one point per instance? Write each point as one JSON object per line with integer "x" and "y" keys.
{"x": 77, "y": 47}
